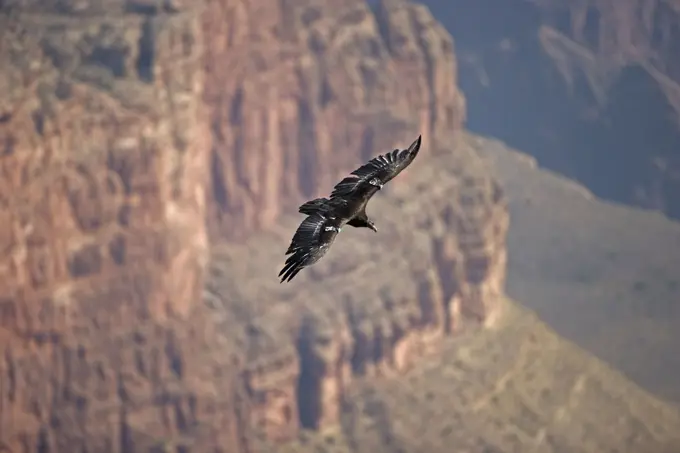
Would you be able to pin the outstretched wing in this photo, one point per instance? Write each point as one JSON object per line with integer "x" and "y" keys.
{"x": 313, "y": 206}
{"x": 309, "y": 244}
{"x": 383, "y": 168}
{"x": 337, "y": 207}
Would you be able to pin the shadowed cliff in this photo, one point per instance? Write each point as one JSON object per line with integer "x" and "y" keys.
{"x": 597, "y": 82}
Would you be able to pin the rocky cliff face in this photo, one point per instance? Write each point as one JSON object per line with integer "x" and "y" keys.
{"x": 300, "y": 91}
{"x": 104, "y": 165}
{"x": 598, "y": 40}
{"x": 444, "y": 246}
{"x": 133, "y": 133}
{"x": 597, "y": 82}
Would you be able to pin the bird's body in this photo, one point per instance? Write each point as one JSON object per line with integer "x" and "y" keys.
{"x": 354, "y": 214}
{"x": 345, "y": 206}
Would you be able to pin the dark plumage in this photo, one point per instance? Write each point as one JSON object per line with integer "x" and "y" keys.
{"x": 310, "y": 243}
{"x": 322, "y": 204}
{"x": 366, "y": 180}
{"x": 346, "y": 205}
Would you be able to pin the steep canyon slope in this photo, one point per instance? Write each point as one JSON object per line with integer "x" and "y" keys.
{"x": 597, "y": 82}
{"x": 612, "y": 287}
{"x": 383, "y": 374}
{"x": 135, "y": 133}
{"x": 302, "y": 92}
{"x": 604, "y": 42}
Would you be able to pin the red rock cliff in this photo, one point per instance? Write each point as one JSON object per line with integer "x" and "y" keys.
{"x": 133, "y": 131}
{"x": 104, "y": 165}
{"x": 313, "y": 88}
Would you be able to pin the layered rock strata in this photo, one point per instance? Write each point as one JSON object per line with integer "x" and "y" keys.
{"x": 104, "y": 160}
{"x": 347, "y": 317}
{"x": 133, "y": 133}
{"x": 299, "y": 92}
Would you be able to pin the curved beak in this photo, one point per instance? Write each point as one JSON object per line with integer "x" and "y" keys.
{"x": 372, "y": 226}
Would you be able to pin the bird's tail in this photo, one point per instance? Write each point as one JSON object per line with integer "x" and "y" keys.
{"x": 313, "y": 206}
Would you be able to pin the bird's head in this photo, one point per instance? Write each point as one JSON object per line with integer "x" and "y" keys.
{"x": 371, "y": 225}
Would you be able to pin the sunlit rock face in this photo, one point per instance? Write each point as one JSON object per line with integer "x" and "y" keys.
{"x": 144, "y": 144}
{"x": 299, "y": 93}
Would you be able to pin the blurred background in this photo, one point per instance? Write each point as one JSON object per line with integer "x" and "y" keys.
{"x": 523, "y": 291}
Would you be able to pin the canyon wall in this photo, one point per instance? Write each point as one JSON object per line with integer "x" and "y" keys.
{"x": 597, "y": 82}
{"x": 347, "y": 317}
{"x": 136, "y": 135}
{"x": 598, "y": 40}
{"x": 300, "y": 91}
{"x": 104, "y": 162}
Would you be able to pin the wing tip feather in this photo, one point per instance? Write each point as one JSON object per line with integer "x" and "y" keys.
{"x": 291, "y": 268}
{"x": 415, "y": 146}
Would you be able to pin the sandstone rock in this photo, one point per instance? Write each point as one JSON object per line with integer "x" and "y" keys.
{"x": 133, "y": 131}
{"x": 103, "y": 171}
{"x": 304, "y": 91}
{"x": 517, "y": 387}
{"x": 443, "y": 244}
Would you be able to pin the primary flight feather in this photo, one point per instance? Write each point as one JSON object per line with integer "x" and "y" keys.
{"x": 377, "y": 172}
{"x": 310, "y": 243}
{"x": 346, "y": 205}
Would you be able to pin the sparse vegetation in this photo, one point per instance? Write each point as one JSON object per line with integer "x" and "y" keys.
{"x": 603, "y": 275}
{"x": 518, "y": 387}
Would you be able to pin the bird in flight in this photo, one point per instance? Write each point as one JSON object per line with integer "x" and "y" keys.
{"x": 346, "y": 206}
